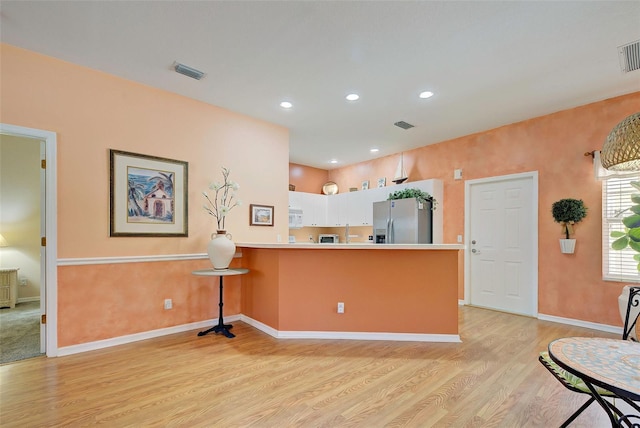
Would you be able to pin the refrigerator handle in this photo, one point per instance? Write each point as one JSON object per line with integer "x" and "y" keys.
{"x": 391, "y": 234}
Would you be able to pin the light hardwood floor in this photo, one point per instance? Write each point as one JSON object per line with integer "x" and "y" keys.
{"x": 492, "y": 379}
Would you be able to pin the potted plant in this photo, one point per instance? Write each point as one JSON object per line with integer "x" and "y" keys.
{"x": 568, "y": 212}
{"x": 418, "y": 194}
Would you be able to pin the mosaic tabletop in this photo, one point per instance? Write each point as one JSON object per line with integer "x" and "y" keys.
{"x": 612, "y": 363}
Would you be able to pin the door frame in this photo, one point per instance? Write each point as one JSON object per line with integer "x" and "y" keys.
{"x": 533, "y": 175}
{"x": 48, "y": 263}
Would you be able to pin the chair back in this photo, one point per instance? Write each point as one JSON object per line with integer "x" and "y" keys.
{"x": 631, "y": 328}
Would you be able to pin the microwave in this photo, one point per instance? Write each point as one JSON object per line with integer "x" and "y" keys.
{"x": 328, "y": 239}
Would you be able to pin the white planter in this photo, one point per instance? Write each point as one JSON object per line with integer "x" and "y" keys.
{"x": 221, "y": 250}
{"x": 567, "y": 246}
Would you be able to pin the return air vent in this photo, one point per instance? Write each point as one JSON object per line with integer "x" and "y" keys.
{"x": 188, "y": 71}
{"x": 629, "y": 56}
{"x": 404, "y": 125}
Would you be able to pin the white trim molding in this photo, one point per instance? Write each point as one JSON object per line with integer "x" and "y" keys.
{"x": 330, "y": 335}
{"x": 130, "y": 338}
{"x": 348, "y": 335}
{"x": 28, "y": 299}
{"x": 134, "y": 259}
{"x": 580, "y": 323}
{"x": 50, "y": 256}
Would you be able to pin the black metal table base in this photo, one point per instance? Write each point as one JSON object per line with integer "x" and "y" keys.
{"x": 221, "y": 327}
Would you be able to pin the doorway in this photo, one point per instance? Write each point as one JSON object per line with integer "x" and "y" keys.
{"x": 501, "y": 225}
{"x": 44, "y": 258}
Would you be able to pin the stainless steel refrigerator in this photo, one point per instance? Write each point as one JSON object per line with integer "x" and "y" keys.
{"x": 402, "y": 221}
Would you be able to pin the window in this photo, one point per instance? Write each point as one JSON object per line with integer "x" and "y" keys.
{"x": 616, "y": 201}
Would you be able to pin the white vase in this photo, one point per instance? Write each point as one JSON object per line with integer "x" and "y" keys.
{"x": 567, "y": 246}
{"x": 221, "y": 250}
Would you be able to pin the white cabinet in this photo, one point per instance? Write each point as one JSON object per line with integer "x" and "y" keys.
{"x": 360, "y": 209}
{"x": 8, "y": 287}
{"x": 313, "y": 206}
{"x": 360, "y": 205}
{"x": 314, "y": 209}
{"x": 338, "y": 209}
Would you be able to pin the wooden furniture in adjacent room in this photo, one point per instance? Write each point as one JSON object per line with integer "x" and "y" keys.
{"x": 8, "y": 287}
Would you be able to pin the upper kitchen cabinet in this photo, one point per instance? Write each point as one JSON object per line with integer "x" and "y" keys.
{"x": 314, "y": 208}
{"x": 338, "y": 209}
{"x": 360, "y": 209}
{"x": 361, "y": 205}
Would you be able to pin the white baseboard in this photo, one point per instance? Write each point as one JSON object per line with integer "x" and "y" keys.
{"x": 259, "y": 326}
{"x": 28, "y": 299}
{"x": 580, "y": 323}
{"x": 121, "y": 340}
{"x": 346, "y": 335}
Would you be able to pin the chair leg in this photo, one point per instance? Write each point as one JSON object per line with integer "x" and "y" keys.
{"x": 577, "y": 413}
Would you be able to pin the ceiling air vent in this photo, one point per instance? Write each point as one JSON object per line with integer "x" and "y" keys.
{"x": 188, "y": 71}
{"x": 404, "y": 125}
{"x": 629, "y": 56}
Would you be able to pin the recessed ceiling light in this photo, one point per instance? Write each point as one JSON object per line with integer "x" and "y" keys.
{"x": 426, "y": 94}
{"x": 352, "y": 97}
{"x": 286, "y": 104}
{"x": 333, "y": 161}
{"x": 374, "y": 150}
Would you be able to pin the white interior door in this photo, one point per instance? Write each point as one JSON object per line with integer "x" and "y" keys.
{"x": 502, "y": 243}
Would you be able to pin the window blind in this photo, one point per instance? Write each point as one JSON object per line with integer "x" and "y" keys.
{"x": 616, "y": 201}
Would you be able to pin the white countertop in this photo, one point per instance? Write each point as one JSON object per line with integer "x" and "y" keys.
{"x": 354, "y": 246}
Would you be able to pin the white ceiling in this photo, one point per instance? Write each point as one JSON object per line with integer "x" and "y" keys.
{"x": 488, "y": 63}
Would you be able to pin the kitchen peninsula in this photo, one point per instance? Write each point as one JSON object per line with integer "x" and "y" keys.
{"x": 389, "y": 291}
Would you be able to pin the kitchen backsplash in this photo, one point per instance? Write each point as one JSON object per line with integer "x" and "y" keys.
{"x": 357, "y": 233}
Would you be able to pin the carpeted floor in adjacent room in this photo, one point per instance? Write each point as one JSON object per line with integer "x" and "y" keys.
{"x": 20, "y": 332}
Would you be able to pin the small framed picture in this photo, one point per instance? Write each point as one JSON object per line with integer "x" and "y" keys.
{"x": 382, "y": 182}
{"x": 260, "y": 215}
{"x": 365, "y": 185}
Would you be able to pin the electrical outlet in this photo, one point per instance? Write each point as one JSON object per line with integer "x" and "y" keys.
{"x": 168, "y": 303}
{"x": 341, "y": 307}
{"x": 23, "y": 281}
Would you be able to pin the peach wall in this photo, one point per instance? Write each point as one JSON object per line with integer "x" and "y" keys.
{"x": 110, "y": 300}
{"x": 92, "y": 112}
{"x": 306, "y": 178}
{"x": 570, "y": 286}
{"x": 395, "y": 291}
{"x": 260, "y": 288}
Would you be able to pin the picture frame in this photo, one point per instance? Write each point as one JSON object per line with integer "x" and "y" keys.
{"x": 260, "y": 215}
{"x": 382, "y": 182}
{"x": 365, "y": 185}
{"x": 148, "y": 195}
